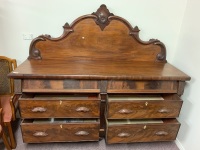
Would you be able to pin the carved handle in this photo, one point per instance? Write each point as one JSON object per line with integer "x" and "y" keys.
{"x": 125, "y": 111}
{"x": 82, "y": 109}
{"x": 40, "y": 134}
{"x": 123, "y": 134}
{"x": 39, "y": 109}
{"x": 164, "y": 110}
{"x": 161, "y": 133}
{"x": 81, "y": 133}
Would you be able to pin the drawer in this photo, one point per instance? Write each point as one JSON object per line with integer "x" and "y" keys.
{"x": 127, "y": 131}
{"x": 60, "y": 86}
{"x": 143, "y": 106}
{"x": 60, "y": 106}
{"x": 60, "y": 130}
{"x": 132, "y": 86}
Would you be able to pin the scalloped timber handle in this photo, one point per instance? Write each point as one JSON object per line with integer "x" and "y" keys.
{"x": 39, "y": 109}
{"x": 40, "y": 134}
{"x": 161, "y": 133}
{"x": 164, "y": 110}
{"x": 123, "y": 134}
{"x": 82, "y": 109}
{"x": 125, "y": 111}
{"x": 82, "y": 133}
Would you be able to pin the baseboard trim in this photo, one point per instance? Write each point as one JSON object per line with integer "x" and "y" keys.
{"x": 179, "y": 145}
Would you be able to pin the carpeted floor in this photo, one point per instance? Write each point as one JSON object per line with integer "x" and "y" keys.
{"x": 101, "y": 145}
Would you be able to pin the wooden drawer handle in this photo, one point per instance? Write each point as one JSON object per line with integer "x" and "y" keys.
{"x": 164, "y": 110}
{"x": 40, "y": 134}
{"x": 82, "y": 109}
{"x": 123, "y": 134}
{"x": 81, "y": 133}
{"x": 125, "y": 111}
{"x": 161, "y": 133}
{"x": 39, "y": 109}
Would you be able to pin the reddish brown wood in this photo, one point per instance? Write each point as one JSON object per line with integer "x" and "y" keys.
{"x": 181, "y": 86}
{"x": 82, "y": 69}
{"x": 60, "y": 106}
{"x": 103, "y": 15}
{"x": 137, "y": 109}
{"x": 127, "y": 133}
{"x": 53, "y": 86}
{"x": 101, "y": 54}
{"x": 59, "y": 132}
{"x": 130, "y": 86}
{"x": 118, "y": 37}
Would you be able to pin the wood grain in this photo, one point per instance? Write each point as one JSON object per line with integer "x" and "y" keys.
{"x": 166, "y": 131}
{"x": 137, "y": 109}
{"x": 91, "y": 70}
{"x": 56, "y": 133}
{"x": 99, "y": 53}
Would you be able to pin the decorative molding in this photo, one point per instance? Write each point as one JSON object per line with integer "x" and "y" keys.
{"x": 160, "y": 56}
{"x": 102, "y": 16}
{"x": 34, "y": 53}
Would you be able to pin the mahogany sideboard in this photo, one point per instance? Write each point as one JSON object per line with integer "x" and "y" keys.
{"x": 98, "y": 80}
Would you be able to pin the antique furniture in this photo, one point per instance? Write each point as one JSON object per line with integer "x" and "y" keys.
{"x": 98, "y": 79}
{"x": 2, "y": 132}
{"x": 8, "y": 100}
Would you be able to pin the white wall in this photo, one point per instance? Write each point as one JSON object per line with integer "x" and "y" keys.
{"x": 187, "y": 58}
{"x": 156, "y": 19}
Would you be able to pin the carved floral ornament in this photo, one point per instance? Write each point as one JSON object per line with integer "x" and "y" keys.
{"x": 102, "y": 17}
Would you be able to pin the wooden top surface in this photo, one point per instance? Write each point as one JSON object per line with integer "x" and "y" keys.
{"x": 87, "y": 69}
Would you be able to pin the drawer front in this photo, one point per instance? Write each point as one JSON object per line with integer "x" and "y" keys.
{"x": 146, "y": 109}
{"x": 59, "y": 108}
{"x": 39, "y": 133}
{"x": 129, "y": 133}
{"x": 61, "y": 86}
{"x": 168, "y": 107}
{"x": 142, "y": 86}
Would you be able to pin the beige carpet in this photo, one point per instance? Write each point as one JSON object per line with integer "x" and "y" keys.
{"x": 101, "y": 145}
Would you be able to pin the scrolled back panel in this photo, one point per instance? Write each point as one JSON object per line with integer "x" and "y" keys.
{"x": 85, "y": 40}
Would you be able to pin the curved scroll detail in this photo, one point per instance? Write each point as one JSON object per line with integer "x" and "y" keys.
{"x": 134, "y": 32}
{"x": 160, "y": 56}
{"x": 34, "y": 53}
{"x": 102, "y": 16}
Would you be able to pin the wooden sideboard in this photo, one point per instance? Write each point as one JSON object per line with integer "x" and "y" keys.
{"x": 98, "y": 80}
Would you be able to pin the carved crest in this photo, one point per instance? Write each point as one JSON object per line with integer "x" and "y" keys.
{"x": 102, "y": 16}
